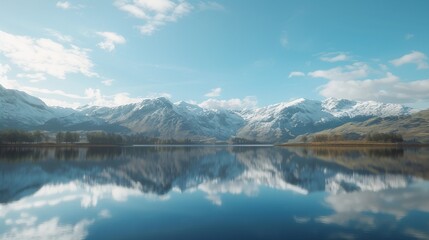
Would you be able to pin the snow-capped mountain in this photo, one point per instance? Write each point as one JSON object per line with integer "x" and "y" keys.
{"x": 20, "y": 110}
{"x": 283, "y": 121}
{"x": 348, "y": 108}
{"x": 161, "y": 118}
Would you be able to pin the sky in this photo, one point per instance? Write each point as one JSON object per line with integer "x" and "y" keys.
{"x": 230, "y": 54}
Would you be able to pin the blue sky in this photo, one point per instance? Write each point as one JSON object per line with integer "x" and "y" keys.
{"x": 219, "y": 54}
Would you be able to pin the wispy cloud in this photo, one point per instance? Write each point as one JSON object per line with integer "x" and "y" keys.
{"x": 409, "y": 36}
{"x": 284, "y": 40}
{"x": 108, "y": 82}
{"x": 248, "y": 102}
{"x": 334, "y": 57}
{"x": 110, "y": 39}
{"x": 215, "y": 92}
{"x": 415, "y": 57}
{"x": 59, "y": 36}
{"x": 66, "y": 5}
{"x": 354, "y": 71}
{"x": 154, "y": 13}
{"x": 41, "y": 55}
{"x": 63, "y": 5}
{"x": 296, "y": 74}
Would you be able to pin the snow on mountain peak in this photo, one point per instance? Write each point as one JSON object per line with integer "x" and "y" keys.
{"x": 350, "y": 108}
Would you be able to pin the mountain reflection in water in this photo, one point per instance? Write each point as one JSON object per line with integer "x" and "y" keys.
{"x": 357, "y": 190}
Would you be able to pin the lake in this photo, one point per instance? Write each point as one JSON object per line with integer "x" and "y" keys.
{"x": 214, "y": 192}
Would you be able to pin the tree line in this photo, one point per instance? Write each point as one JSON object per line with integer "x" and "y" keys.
{"x": 104, "y": 138}
{"x": 18, "y": 136}
{"x": 140, "y": 138}
{"x": 370, "y": 137}
{"x": 67, "y": 137}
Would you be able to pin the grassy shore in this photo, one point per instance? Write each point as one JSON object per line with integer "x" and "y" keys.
{"x": 352, "y": 144}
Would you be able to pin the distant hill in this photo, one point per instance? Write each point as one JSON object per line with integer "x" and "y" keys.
{"x": 414, "y": 127}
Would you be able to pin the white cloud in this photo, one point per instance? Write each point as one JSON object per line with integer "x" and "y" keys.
{"x": 351, "y": 82}
{"x": 386, "y": 89}
{"x": 231, "y": 104}
{"x": 110, "y": 39}
{"x": 350, "y": 72}
{"x": 66, "y": 5}
{"x": 108, "y": 82}
{"x": 415, "y": 57}
{"x": 210, "y": 5}
{"x": 296, "y": 74}
{"x": 41, "y": 55}
{"x": 334, "y": 57}
{"x": 63, "y": 5}
{"x": 154, "y": 13}
{"x": 215, "y": 92}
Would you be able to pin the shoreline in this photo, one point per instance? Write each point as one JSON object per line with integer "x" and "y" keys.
{"x": 58, "y": 145}
{"x": 353, "y": 144}
{"x": 311, "y": 144}
{"x": 124, "y": 145}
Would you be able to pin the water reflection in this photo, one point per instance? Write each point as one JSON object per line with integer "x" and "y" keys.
{"x": 364, "y": 189}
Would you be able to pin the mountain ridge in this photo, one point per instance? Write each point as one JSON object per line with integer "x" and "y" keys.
{"x": 159, "y": 117}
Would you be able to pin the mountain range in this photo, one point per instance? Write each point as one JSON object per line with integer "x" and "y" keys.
{"x": 161, "y": 118}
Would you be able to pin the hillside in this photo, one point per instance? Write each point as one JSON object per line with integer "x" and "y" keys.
{"x": 414, "y": 127}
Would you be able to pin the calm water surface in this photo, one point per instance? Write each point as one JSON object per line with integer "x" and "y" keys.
{"x": 214, "y": 193}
